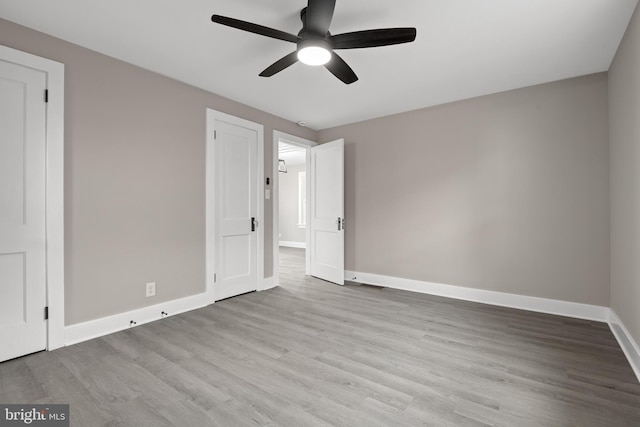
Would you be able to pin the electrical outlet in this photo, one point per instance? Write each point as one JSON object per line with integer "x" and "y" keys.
{"x": 151, "y": 289}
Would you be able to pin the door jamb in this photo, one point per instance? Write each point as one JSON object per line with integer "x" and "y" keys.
{"x": 54, "y": 193}
{"x": 210, "y": 255}
{"x": 278, "y": 137}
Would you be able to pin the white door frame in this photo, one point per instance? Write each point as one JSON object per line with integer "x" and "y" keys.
{"x": 210, "y": 254}
{"x": 306, "y": 144}
{"x": 54, "y": 210}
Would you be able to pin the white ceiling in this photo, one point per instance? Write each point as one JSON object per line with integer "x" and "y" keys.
{"x": 464, "y": 48}
{"x": 291, "y": 154}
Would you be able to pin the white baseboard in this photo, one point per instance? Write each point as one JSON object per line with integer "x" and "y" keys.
{"x": 268, "y": 283}
{"x": 118, "y": 322}
{"x": 299, "y": 245}
{"x": 96, "y": 328}
{"x": 597, "y": 313}
{"x": 541, "y": 305}
{"x": 107, "y": 325}
{"x": 626, "y": 341}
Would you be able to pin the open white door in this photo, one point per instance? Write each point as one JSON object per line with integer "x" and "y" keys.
{"x": 326, "y": 176}
{"x": 22, "y": 211}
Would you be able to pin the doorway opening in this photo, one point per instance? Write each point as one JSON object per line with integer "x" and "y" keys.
{"x": 291, "y": 233}
{"x": 324, "y": 211}
{"x": 292, "y": 190}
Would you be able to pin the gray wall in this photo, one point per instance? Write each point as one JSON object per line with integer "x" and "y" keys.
{"x": 506, "y": 192}
{"x": 134, "y": 178}
{"x": 288, "y": 207}
{"x": 624, "y": 118}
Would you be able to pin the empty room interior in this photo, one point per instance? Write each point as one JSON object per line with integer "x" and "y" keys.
{"x": 419, "y": 213}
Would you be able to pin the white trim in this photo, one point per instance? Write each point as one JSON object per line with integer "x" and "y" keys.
{"x": 299, "y": 142}
{"x": 302, "y": 199}
{"x": 210, "y": 217}
{"x": 627, "y": 343}
{"x": 299, "y": 245}
{"x": 522, "y": 302}
{"x": 210, "y": 267}
{"x": 596, "y": 313}
{"x": 268, "y": 283}
{"x": 54, "y": 187}
{"x": 107, "y": 325}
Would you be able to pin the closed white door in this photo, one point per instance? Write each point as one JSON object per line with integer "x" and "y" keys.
{"x": 22, "y": 210}
{"x": 327, "y": 211}
{"x": 236, "y": 152}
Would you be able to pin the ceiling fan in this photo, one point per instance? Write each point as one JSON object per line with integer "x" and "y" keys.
{"x": 316, "y": 45}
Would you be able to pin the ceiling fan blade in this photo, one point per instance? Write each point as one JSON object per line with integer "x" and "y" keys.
{"x": 318, "y": 16}
{"x": 280, "y": 64}
{"x": 373, "y": 38}
{"x": 255, "y": 28}
{"x": 341, "y": 69}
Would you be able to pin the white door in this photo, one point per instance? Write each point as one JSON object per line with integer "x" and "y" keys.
{"x": 327, "y": 211}
{"x": 236, "y": 210}
{"x": 22, "y": 210}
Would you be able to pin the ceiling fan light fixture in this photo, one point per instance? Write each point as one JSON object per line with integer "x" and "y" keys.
{"x": 316, "y": 45}
{"x": 314, "y": 52}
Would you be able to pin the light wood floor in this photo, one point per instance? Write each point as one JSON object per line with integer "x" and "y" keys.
{"x": 311, "y": 353}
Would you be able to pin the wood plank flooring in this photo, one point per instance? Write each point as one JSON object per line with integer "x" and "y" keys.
{"x": 310, "y": 353}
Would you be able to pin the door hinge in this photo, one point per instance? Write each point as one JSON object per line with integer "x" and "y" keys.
{"x": 215, "y": 134}
{"x": 215, "y": 277}
{"x": 46, "y": 313}
{"x": 46, "y": 95}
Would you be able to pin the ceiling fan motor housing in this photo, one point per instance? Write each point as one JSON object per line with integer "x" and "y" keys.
{"x": 309, "y": 38}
